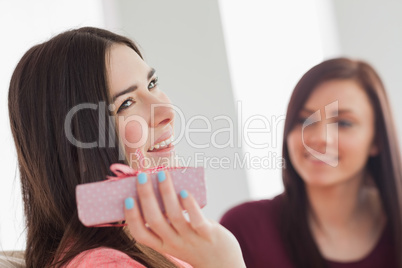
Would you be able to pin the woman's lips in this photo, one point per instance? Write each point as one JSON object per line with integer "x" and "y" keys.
{"x": 161, "y": 145}
{"x": 164, "y": 135}
{"x": 167, "y": 151}
{"x": 322, "y": 159}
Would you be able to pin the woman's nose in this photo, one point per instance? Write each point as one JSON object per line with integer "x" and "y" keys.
{"x": 320, "y": 135}
{"x": 161, "y": 112}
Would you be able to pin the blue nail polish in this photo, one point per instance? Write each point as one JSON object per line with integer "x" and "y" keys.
{"x": 161, "y": 176}
{"x": 129, "y": 202}
{"x": 142, "y": 178}
{"x": 183, "y": 194}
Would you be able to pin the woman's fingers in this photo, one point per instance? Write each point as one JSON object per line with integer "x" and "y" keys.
{"x": 197, "y": 220}
{"x": 173, "y": 209}
{"x": 150, "y": 209}
{"x": 136, "y": 225}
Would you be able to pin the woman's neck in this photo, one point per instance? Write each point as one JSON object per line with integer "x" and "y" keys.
{"x": 342, "y": 205}
{"x": 346, "y": 220}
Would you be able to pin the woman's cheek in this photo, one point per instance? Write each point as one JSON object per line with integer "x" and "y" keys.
{"x": 294, "y": 144}
{"x": 135, "y": 133}
{"x": 354, "y": 150}
{"x": 295, "y": 139}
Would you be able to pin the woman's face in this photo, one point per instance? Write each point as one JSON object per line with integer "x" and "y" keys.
{"x": 334, "y": 136}
{"x": 144, "y": 115}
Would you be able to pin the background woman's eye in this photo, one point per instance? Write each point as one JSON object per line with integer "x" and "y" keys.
{"x": 127, "y": 103}
{"x": 344, "y": 123}
{"x": 153, "y": 83}
{"x": 301, "y": 120}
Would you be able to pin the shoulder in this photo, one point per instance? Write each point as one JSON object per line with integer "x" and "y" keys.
{"x": 256, "y": 226}
{"x": 252, "y": 220}
{"x": 253, "y": 212}
{"x": 103, "y": 257}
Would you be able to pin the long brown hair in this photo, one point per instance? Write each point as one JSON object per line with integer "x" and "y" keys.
{"x": 385, "y": 167}
{"x": 51, "y": 79}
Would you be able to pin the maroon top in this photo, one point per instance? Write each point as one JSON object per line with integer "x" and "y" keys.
{"x": 255, "y": 225}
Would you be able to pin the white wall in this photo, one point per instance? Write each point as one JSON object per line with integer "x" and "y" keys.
{"x": 372, "y": 30}
{"x": 270, "y": 44}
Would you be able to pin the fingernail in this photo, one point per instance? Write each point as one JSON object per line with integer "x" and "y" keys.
{"x": 142, "y": 178}
{"x": 161, "y": 176}
{"x": 183, "y": 194}
{"x": 129, "y": 202}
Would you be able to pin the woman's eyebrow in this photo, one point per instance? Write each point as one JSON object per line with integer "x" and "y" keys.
{"x": 338, "y": 112}
{"x": 133, "y": 87}
{"x": 151, "y": 73}
{"x": 128, "y": 90}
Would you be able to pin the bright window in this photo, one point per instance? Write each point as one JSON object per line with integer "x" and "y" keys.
{"x": 270, "y": 44}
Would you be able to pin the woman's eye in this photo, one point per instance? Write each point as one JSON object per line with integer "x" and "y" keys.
{"x": 301, "y": 120}
{"x": 127, "y": 103}
{"x": 153, "y": 83}
{"x": 344, "y": 123}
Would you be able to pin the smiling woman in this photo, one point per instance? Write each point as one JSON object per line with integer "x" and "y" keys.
{"x": 341, "y": 142}
{"x": 91, "y": 66}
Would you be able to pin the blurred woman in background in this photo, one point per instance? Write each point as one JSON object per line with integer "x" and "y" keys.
{"x": 342, "y": 204}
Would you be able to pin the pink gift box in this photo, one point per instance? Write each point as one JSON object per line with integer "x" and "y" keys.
{"x": 103, "y": 202}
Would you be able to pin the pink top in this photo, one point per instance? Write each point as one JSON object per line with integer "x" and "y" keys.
{"x": 111, "y": 258}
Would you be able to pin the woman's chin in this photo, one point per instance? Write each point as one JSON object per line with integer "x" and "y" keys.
{"x": 149, "y": 159}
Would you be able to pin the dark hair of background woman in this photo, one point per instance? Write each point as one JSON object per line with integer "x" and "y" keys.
{"x": 50, "y": 79}
{"x": 385, "y": 167}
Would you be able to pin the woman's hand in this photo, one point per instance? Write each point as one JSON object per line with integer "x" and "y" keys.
{"x": 199, "y": 241}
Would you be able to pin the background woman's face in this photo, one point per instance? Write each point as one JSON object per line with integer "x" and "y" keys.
{"x": 341, "y": 134}
{"x": 144, "y": 115}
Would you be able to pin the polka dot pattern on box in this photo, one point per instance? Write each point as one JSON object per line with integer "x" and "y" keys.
{"x": 103, "y": 202}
